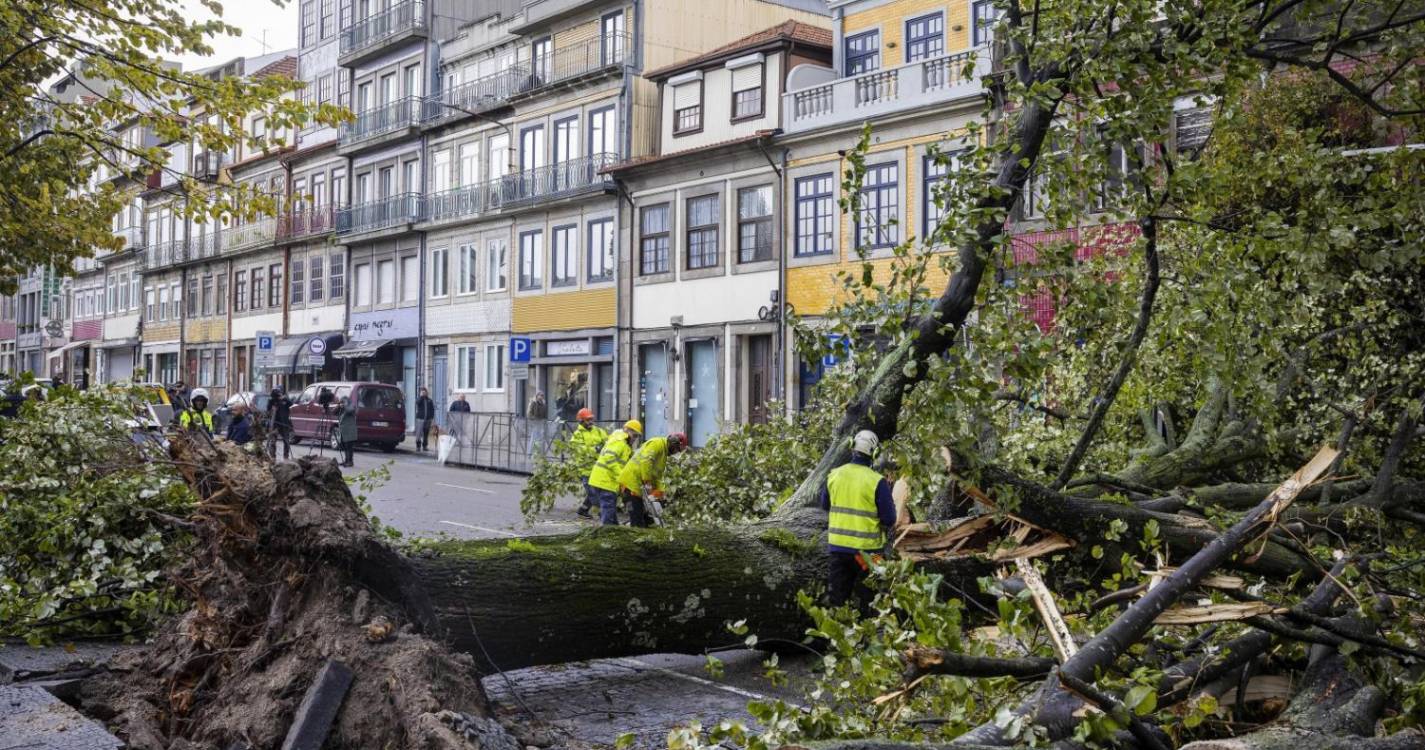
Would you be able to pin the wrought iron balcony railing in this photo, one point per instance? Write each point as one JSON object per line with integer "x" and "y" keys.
{"x": 367, "y": 32}
{"x": 308, "y": 221}
{"x": 382, "y": 213}
{"x": 252, "y": 234}
{"x": 545, "y": 183}
{"x": 383, "y": 118}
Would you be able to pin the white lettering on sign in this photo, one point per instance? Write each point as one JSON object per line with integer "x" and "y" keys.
{"x": 566, "y": 348}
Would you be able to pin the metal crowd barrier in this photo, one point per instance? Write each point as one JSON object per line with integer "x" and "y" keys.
{"x": 503, "y": 441}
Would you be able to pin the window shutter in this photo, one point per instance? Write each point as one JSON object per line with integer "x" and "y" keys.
{"x": 687, "y": 95}
{"x": 747, "y": 77}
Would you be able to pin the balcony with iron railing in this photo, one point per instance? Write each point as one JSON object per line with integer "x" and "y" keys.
{"x": 391, "y": 119}
{"x": 205, "y": 245}
{"x": 934, "y": 82}
{"x": 550, "y": 182}
{"x": 160, "y": 255}
{"x": 600, "y": 54}
{"x": 131, "y": 237}
{"x": 383, "y": 213}
{"x": 307, "y": 221}
{"x": 366, "y": 37}
{"x": 258, "y": 233}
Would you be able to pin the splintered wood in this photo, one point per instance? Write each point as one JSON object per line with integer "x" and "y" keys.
{"x": 1225, "y": 612}
{"x": 994, "y": 538}
{"x": 1059, "y": 632}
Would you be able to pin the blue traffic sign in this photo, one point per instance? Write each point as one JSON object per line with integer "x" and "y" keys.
{"x": 840, "y": 347}
{"x": 520, "y": 349}
{"x": 264, "y": 343}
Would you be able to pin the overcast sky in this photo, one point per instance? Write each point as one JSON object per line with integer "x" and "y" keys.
{"x": 254, "y": 17}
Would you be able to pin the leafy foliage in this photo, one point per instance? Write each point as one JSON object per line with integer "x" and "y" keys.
{"x": 81, "y": 504}
{"x": 60, "y": 153}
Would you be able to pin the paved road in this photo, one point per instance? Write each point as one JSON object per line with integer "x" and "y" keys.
{"x": 423, "y": 498}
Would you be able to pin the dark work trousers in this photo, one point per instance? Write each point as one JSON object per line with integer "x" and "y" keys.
{"x": 608, "y": 506}
{"x": 348, "y": 451}
{"x": 637, "y": 514}
{"x": 279, "y": 433}
{"x": 423, "y": 434}
{"x": 846, "y": 581}
{"x": 589, "y": 499}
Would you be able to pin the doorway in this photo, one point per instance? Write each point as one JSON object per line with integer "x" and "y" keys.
{"x": 653, "y": 396}
{"x": 703, "y": 392}
{"x": 439, "y": 394}
{"x": 759, "y": 377}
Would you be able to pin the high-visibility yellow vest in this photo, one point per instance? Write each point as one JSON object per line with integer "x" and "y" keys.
{"x": 646, "y": 467}
{"x": 611, "y": 459}
{"x": 205, "y": 419}
{"x": 591, "y": 437}
{"x": 853, "y": 522}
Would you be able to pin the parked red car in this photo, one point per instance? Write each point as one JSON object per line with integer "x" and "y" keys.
{"x": 380, "y": 413}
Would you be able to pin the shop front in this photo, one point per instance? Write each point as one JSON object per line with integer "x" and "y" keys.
{"x": 299, "y": 361}
{"x": 574, "y": 372}
{"x": 382, "y": 346}
{"x": 160, "y": 361}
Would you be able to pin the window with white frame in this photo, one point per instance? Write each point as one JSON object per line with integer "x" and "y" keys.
{"x": 439, "y": 265}
{"x": 468, "y": 281}
{"x": 653, "y": 240}
{"x": 385, "y": 282}
{"x": 175, "y": 300}
{"x": 494, "y": 367}
{"x": 337, "y": 275}
{"x": 497, "y": 265}
{"x": 603, "y": 132}
{"x": 299, "y": 280}
{"x": 563, "y": 256}
{"x": 150, "y": 301}
{"x": 688, "y": 107}
{"x": 410, "y": 278}
{"x": 361, "y": 281}
{"x": 314, "y": 278}
{"x": 469, "y": 164}
{"x": 601, "y": 250}
{"x": 754, "y": 224}
{"x": 440, "y": 170}
{"x": 467, "y": 371}
{"x": 531, "y": 251}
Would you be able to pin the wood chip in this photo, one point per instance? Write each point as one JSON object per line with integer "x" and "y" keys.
{"x": 1226, "y": 612}
{"x": 1214, "y": 581}
{"x": 1263, "y": 687}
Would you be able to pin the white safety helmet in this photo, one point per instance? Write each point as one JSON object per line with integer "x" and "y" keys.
{"x": 865, "y": 442}
{"x": 199, "y": 393}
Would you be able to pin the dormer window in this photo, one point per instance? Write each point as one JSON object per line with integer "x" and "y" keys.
{"x": 687, "y": 103}
{"x": 747, "y": 86}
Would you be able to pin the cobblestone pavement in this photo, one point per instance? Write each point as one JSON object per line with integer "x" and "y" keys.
{"x": 593, "y": 703}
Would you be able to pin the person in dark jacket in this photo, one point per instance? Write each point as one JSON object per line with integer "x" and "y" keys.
{"x": 279, "y": 423}
{"x": 346, "y": 430}
{"x": 425, "y": 414}
{"x": 240, "y": 428}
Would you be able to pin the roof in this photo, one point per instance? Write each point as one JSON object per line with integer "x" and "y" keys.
{"x": 631, "y": 165}
{"x": 794, "y": 32}
{"x": 286, "y": 67}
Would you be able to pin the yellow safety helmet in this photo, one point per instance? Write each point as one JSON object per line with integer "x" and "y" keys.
{"x": 635, "y": 426}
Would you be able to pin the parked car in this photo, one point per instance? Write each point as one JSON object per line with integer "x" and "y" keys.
{"x": 380, "y": 413}
{"x": 256, "y": 405}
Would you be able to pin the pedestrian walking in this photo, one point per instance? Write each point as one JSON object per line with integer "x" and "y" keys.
{"x": 860, "y": 510}
{"x": 589, "y": 439}
{"x": 346, "y": 430}
{"x": 425, "y": 414}
{"x": 603, "y": 478}
{"x": 279, "y": 423}
{"x": 240, "y": 428}
{"x": 455, "y": 425}
{"x": 196, "y": 416}
{"x": 641, "y": 480}
{"x": 536, "y": 417}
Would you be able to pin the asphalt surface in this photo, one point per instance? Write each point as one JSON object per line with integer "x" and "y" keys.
{"x": 423, "y": 498}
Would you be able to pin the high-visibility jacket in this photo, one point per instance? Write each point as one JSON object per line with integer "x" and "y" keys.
{"x": 592, "y": 437}
{"x": 853, "y": 522}
{"x": 646, "y": 467}
{"x": 191, "y": 418}
{"x": 612, "y": 457}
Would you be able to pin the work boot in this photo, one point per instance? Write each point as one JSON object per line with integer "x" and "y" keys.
{"x": 583, "y": 512}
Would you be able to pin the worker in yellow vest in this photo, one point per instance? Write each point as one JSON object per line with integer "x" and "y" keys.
{"x": 589, "y": 439}
{"x": 197, "y": 416}
{"x": 603, "y": 478}
{"x": 641, "y": 480}
{"x": 860, "y": 510}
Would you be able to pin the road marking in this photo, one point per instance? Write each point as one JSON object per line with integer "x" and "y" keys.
{"x": 462, "y": 487}
{"x": 637, "y": 664}
{"x": 480, "y": 528}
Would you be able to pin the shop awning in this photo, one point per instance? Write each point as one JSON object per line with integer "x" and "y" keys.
{"x": 359, "y": 349}
{"x": 67, "y": 347}
{"x": 284, "y": 354}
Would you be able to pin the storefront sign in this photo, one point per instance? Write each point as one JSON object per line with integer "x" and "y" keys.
{"x": 401, "y": 323}
{"x": 573, "y": 348}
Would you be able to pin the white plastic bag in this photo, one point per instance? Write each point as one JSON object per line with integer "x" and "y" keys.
{"x": 443, "y": 447}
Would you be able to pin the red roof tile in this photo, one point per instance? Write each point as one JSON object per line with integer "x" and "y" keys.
{"x": 286, "y": 67}
{"x": 787, "y": 31}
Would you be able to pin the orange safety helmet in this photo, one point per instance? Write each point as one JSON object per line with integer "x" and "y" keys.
{"x": 585, "y": 413}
